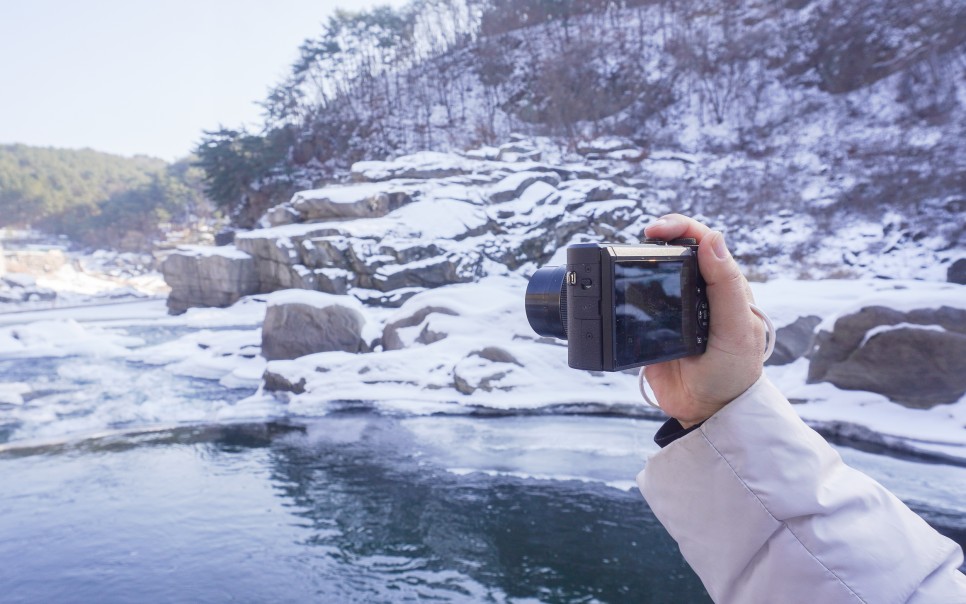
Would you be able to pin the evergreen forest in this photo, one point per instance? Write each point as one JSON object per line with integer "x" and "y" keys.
{"x": 98, "y": 199}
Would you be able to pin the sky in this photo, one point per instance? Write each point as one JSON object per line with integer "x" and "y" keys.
{"x": 145, "y": 76}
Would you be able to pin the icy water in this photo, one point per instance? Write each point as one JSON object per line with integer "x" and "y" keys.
{"x": 351, "y": 507}
{"x": 345, "y": 510}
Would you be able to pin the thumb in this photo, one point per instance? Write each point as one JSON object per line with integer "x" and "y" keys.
{"x": 732, "y": 322}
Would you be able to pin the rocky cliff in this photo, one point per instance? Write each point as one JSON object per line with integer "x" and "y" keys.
{"x": 431, "y": 219}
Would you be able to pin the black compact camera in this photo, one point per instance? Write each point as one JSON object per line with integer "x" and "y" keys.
{"x": 623, "y": 306}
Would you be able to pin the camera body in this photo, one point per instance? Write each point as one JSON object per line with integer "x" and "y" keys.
{"x": 623, "y": 306}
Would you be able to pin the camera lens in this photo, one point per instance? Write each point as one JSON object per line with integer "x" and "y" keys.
{"x": 547, "y": 302}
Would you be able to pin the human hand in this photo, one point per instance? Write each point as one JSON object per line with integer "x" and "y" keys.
{"x": 694, "y": 388}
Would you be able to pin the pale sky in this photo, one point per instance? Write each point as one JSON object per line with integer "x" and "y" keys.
{"x": 145, "y": 76}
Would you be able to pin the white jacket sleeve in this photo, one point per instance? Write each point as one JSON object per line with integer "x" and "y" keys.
{"x": 764, "y": 510}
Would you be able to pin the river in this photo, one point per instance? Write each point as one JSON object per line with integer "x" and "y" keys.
{"x": 119, "y": 486}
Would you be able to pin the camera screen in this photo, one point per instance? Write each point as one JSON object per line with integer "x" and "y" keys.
{"x": 647, "y": 311}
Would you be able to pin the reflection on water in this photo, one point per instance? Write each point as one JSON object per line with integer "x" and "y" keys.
{"x": 350, "y": 511}
{"x": 430, "y": 532}
{"x": 358, "y": 508}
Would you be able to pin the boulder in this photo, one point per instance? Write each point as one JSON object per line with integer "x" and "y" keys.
{"x": 225, "y": 237}
{"x": 915, "y": 358}
{"x": 956, "y": 273}
{"x": 274, "y": 381}
{"x": 208, "y": 276}
{"x": 300, "y": 322}
{"x": 793, "y": 341}
{"x": 332, "y": 280}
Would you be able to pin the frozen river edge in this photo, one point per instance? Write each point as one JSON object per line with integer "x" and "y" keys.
{"x": 222, "y": 346}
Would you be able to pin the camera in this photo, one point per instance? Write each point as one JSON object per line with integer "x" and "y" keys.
{"x": 621, "y": 306}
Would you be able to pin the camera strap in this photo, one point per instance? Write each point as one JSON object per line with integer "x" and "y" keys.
{"x": 769, "y": 349}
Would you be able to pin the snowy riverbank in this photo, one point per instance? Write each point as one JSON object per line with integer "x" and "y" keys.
{"x": 140, "y": 341}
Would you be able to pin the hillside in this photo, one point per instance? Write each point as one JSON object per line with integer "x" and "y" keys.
{"x": 821, "y": 108}
{"x": 97, "y": 199}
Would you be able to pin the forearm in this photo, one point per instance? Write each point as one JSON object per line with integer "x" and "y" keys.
{"x": 765, "y": 510}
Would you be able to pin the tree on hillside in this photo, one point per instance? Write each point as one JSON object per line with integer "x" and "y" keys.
{"x": 37, "y": 184}
{"x": 97, "y": 198}
{"x": 438, "y": 74}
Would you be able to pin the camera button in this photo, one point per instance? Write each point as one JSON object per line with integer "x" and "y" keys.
{"x": 586, "y": 308}
{"x": 703, "y": 314}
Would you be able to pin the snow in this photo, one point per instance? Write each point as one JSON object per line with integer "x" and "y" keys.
{"x": 437, "y": 218}
{"x": 58, "y": 338}
{"x": 223, "y": 251}
{"x": 11, "y": 393}
{"x": 887, "y": 328}
{"x": 312, "y": 298}
{"x": 423, "y": 160}
{"x": 342, "y": 194}
{"x": 510, "y": 184}
{"x": 536, "y": 193}
{"x": 529, "y": 374}
{"x": 903, "y": 297}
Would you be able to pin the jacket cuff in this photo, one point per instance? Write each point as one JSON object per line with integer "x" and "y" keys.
{"x": 671, "y": 431}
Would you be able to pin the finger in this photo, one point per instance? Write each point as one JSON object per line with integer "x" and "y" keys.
{"x": 674, "y": 226}
{"x": 732, "y": 322}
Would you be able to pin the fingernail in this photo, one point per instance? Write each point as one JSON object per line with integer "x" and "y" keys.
{"x": 718, "y": 246}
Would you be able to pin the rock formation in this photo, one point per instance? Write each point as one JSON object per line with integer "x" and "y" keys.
{"x": 208, "y": 276}
{"x": 299, "y": 323}
{"x": 794, "y": 340}
{"x": 416, "y": 223}
{"x": 916, "y": 358}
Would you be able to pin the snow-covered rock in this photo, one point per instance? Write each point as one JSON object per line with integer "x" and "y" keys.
{"x": 513, "y": 186}
{"x": 208, "y": 276}
{"x": 414, "y": 326}
{"x": 794, "y": 340}
{"x": 421, "y": 165}
{"x": 433, "y": 219}
{"x": 339, "y": 203}
{"x": 915, "y": 357}
{"x": 300, "y": 322}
